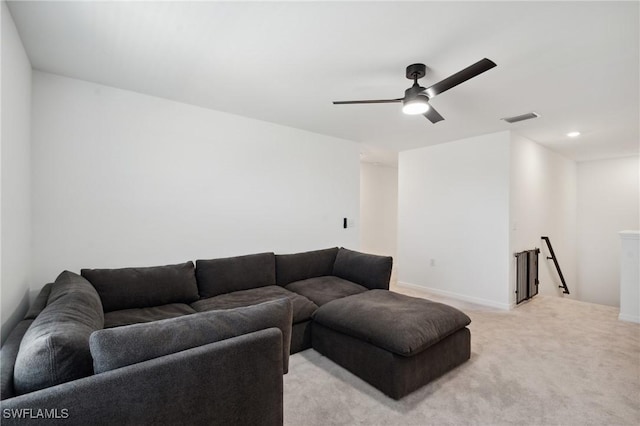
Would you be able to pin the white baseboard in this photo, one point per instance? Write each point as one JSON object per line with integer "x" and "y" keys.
{"x": 464, "y": 298}
{"x": 629, "y": 318}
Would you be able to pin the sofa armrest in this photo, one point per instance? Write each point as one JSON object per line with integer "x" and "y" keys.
{"x": 8, "y": 355}
{"x": 234, "y": 381}
{"x": 368, "y": 270}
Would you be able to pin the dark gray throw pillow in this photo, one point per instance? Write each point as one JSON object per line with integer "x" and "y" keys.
{"x": 302, "y": 266}
{"x": 368, "y": 270}
{"x": 220, "y": 276}
{"x": 129, "y": 288}
{"x": 55, "y": 348}
{"x": 121, "y": 346}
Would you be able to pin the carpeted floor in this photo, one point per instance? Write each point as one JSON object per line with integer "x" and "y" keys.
{"x": 550, "y": 361}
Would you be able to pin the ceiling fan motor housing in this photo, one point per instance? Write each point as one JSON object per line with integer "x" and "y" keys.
{"x": 413, "y": 91}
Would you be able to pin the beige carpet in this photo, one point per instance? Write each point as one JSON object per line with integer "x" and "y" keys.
{"x": 550, "y": 361}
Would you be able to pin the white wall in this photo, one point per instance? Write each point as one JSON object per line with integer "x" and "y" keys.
{"x": 608, "y": 202}
{"x": 543, "y": 203}
{"x": 15, "y": 177}
{"x": 124, "y": 179}
{"x": 630, "y": 276}
{"x": 453, "y": 207}
{"x": 379, "y": 210}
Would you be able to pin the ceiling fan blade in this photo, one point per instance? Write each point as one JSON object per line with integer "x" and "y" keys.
{"x": 433, "y": 115}
{"x": 372, "y": 101}
{"x": 460, "y": 77}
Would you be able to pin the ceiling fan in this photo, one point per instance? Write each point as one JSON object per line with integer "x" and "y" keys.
{"x": 416, "y": 98}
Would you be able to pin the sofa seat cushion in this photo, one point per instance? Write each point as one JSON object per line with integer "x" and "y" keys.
{"x": 135, "y": 316}
{"x": 55, "y": 348}
{"x": 321, "y": 290}
{"x": 302, "y": 307}
{"x": 400, "y": 324}
{"x": 144, "y": 287}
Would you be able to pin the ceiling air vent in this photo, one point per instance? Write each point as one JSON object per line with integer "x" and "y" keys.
{"x": 527, "y": 116}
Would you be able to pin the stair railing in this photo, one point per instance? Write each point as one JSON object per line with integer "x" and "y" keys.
{"x": 555, "y": 261}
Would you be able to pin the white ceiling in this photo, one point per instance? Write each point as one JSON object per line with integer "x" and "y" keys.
{"x": 574, "y": 63}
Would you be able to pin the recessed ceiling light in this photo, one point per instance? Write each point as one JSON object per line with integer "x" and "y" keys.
{"x": 573, "y": 134}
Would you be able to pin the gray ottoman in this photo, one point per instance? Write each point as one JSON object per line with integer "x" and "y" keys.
{"x": 394, "y": 342}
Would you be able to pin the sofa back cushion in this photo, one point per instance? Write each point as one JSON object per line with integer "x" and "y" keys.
{"x": 39, "y": 303}
{"x": 302, "y": 266}
{"x": 130, "y": 288}
{"x": 220, "y": 276}
{"x": 368, "y": 270}
{"x": 55, "y": 348}
{"x": 121, "y": 346}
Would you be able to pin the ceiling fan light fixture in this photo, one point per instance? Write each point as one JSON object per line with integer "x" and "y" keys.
{"x": 416, "y": 98}
{"x": 415, "y": 106}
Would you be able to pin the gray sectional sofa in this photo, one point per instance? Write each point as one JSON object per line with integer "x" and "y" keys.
{"x": 205, "y": 343}
{"x": 208, "y": 343}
